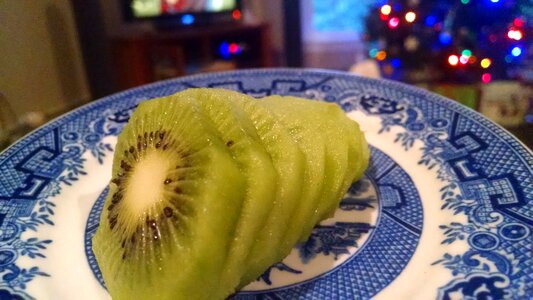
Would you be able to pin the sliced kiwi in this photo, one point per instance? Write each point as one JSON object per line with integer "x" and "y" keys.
{"x": 172, "y": 209}
{"x": 288, "y": 160}
{"x": 298, "y": 118}
{"x": 238, "y": 132}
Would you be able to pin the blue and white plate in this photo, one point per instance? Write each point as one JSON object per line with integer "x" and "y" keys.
{"x": 445, "y": 210}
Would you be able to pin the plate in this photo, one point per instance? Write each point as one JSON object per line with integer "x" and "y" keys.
{"x": 444, "y": 211}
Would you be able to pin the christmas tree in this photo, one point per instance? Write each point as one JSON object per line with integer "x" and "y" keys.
{"x": 457, "y": 41}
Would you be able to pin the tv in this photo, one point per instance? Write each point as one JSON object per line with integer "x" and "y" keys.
{"x": 178, "y": 13}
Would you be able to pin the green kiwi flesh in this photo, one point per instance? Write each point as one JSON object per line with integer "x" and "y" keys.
{"x": 298, "y": 119}
{"x": 174, "y": 200}
{"x": 288, "y": 160}
{"x": 323, "y": 117}
{"x": 358, "y": 158}
{"x": 240, "y": 136}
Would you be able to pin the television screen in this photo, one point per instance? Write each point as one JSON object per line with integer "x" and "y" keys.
{"x": 161, "y": 8}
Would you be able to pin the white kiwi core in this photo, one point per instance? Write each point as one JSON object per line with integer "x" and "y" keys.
{"x": 146, "y": 185}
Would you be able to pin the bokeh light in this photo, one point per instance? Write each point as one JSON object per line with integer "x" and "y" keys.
{"x": 463, "y": 59}
{"x": 486, "y": 77}
{"x": 410, "y": 17}
{"x": 395, "y": 62}
{"x": 386, "y": 9}
{"x": 445, "y": 38}
{"x": 466, "y": 52}
{"x": 431, "y": 20}
{"x": 485, "y": 63}
{"x": 394, "y": 22}
{"x": 514, "y": 34}
{"x": 516, "y": 51}
{"x": 381, "y": 55}
{"x": 373, "y": 52}
{"x": 453, "y": 60}
{"x": 518, "y": 22}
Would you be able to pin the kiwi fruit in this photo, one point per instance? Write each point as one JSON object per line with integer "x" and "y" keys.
{"x": 173, "y": 205}
{"x": 357, "y": 155}
{"x": 210, "y": 187}
{"x": 240, "y": 136}
{"x": 323, "y": 117}
{"x": 288, "y": 160}
{"x": 297, "y": 120}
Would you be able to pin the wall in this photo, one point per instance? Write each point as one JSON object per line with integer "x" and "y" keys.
{"x": 41, "y": 67}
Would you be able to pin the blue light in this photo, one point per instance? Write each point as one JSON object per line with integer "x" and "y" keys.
{"x": 516, "y": 51}
{"x": 445, "y": 38}
{"x": 187, "y": 19}
{"x": 494, "y": 1}
{"x": 395, "y": 62}
{"x": 223, "y": 49}
{"x": 431, "y": 20}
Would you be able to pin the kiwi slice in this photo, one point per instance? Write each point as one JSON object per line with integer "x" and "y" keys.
{"x": 288, "y": 160}
{"x": 357, "y": 155}
{"x": 298, "y": 118}
{"x": 238, "y": 132}
{"x": 174, "y": 200}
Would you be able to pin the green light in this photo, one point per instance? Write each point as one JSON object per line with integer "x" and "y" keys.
{"x": 373, "y": 52}
{"x": 465, "y": 1}
{"x": 467, "y": 53}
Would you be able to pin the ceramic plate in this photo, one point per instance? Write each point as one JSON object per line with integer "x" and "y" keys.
{"x": 445, "y": 210}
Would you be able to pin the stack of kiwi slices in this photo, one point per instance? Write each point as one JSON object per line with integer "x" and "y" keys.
{"x": 210, "y": 187}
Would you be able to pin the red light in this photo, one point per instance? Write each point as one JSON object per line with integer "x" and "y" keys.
{"x": 383, "y": 17}
{"x": 233, "y": 48}
{"x": 236, "y": 14}
{"x": 518, "y": 22}
{"x": 453, "y": 60}
{"x": 394, "y": 22}
{"x": 486, "y": 77}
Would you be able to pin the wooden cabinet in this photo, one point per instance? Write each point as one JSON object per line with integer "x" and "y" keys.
{"x": 148, "y": 57}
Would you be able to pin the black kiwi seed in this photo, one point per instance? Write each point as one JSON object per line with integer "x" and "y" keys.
{"x": 167, "y": 181}
{"x": 158, "y": 144}
{"x": 151, "y": 223}
{"x": 132, "y": 149}
{"x": 113, "y": 222}
{"x": 229, "y": 143}
{"x": 123, "y": 243}
{"x": 168, "y": 212}
{"x": 178, "y": 190}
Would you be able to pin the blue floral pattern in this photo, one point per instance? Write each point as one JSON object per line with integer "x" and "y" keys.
{"x": 489, "y": 200}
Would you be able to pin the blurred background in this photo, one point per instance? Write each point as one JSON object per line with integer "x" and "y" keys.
{"x": 56, "y": 55}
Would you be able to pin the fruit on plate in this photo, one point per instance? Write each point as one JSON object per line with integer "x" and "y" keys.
{"x": 210, "y": 187}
